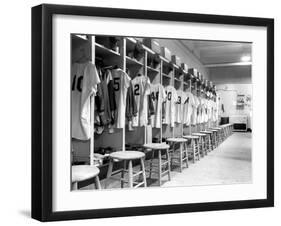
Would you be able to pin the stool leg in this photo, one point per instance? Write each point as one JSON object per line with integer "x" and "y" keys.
{"x": 97, "y": 183}
{"x": 210, "y": 143}
{"x": 204, "y": 146}
{"x": 122, "y": 174}
{"x": 151, "y": 163}
{"x": 215, "y": 135}
{"x": 169, "y": 164}
{"x": 109, "y": 172}
{"x": 181, "y": 157}
{"x": 172, "y": 157}
{"x": 193, "y": 149}
{"x": 159, "y": 167}
{"x": 143, "y": 172}
{"x": 198, "y": 149}
{"x": 201, "y": 147}
{"x": 186, "y": 154}
{"x": 130, "y": 173}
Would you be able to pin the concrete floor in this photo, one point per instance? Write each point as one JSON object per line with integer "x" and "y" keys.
{"x": 230, "y": 163}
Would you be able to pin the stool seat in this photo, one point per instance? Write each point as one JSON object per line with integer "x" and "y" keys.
{"x": 176, "y": 139}
{"x": 199, "y": 134}
{"x": 190, "y": 137}
{"x": 84, "y": 172}
{"x": 213, "y": 130}
{"x": 207, "y": 132}
{"x": 158, "y": 146}
{"x": 127, "y": 155}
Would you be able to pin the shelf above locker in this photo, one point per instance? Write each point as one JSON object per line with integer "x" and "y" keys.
{"x": 152, "y": 70}
{"x": 132, "y": 41}
{"x": 176, "y": 66}
{"x": 177, "y": 80}
{"x": 166, "y": 76}
{"x": 165, "y": 61}
{"x": 103, "y": 51}
{"x": 133, "y": 62}
{"x": 130, "y": 44}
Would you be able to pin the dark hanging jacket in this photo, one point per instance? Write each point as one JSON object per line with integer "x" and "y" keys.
{"x": 131, "y": 105}
{"x": 151, "y": 110}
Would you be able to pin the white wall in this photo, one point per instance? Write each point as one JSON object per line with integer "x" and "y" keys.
{"x": 231, "y": 75}
{"x": 16, "y": 107}
{"x": 228, "y": 96}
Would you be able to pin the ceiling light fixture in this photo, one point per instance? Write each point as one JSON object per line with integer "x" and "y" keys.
{"x": 245, "y": 58}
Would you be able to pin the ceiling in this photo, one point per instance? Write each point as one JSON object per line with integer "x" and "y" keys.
{"x": 214, "y": 53}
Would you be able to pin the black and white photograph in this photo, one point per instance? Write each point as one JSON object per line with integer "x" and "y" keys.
{"x": 139, "y": 112}
{"x": 154, "y": 112}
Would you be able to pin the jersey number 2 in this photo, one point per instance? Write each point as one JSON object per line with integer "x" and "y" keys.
{"x": 137, "y": 90}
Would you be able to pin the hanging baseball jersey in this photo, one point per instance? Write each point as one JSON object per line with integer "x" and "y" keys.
{"x": 121, "y": 83}
{"x": 170, "y": 105}
{"x": 158, "y": 96}
{"x": 84, "y": 78}
{"x": 188, "y": 108}
{"x": 195, "y": 110}
{"x": 198, "y": 117}
{"x": 205, "y": 110}
{"x": 141, "y": 88}
{"x": 180, "y": 106}
{"x": 209, "y": 109}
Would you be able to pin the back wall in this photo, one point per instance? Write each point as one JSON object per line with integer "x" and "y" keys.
{"x": 231, "y": 74}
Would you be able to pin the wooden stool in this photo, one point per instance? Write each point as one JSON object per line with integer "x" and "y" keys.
{"x": 182, "y": 153}
{"x": 127, "y": 156}
{"x": 219, "y": 134}
{"x": 224, "y": 131}
{"x": 84, "y": 172}
{"x": 166, "y": 163}
{"x": 194, "y": 146}
{"x": 202, "y": 143}
{"x": 208, "y": 140}
{"x": 214, "y": 137}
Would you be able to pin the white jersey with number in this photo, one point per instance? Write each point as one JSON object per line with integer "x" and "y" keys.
{"x": 121, "y": 83}
{"x": 141, "y": 89}
{"x": 84, "y": 80}
{"x": 180, "y": 106}
{"x": 170, "y": 105}
{"x": 158, "y": 96}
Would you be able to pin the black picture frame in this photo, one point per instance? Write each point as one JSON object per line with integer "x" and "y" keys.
{"x": 42, "y": 111}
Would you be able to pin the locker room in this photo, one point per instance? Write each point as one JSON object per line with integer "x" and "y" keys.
{"x": 152, "y": 112}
